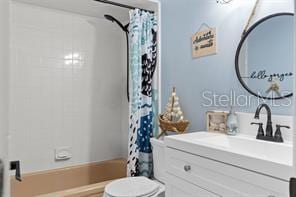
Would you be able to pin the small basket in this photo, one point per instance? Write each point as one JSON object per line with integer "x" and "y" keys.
{"x": 166, "y": 125}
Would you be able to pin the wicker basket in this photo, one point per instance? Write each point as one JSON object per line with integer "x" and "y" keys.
{"x": 178, "y": 127}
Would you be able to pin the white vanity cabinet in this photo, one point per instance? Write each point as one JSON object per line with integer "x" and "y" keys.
{"x": 190, "y": 175}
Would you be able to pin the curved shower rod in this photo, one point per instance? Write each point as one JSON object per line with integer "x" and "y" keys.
{"x": 122, "y": 5}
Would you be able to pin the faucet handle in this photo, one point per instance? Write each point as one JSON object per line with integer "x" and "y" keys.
{"x": 278, "y": 134}
{"x": 282, "y": 126}
{"x": 256, "y": 123}
{"x": 260, "y": 133}
{"x": 15, "y": 165}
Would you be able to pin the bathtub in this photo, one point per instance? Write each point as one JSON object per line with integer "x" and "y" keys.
{"x": 87, "y": 180}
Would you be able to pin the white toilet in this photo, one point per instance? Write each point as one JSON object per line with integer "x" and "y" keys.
{"x": 142, "y": 186}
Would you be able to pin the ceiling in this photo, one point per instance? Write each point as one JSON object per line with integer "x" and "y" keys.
{"x": 93, "y": 8}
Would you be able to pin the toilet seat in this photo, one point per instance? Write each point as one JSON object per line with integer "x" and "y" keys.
{"x": 132, "y": 187}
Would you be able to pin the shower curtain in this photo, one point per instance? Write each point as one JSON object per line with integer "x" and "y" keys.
{"x": 142, "y": 110}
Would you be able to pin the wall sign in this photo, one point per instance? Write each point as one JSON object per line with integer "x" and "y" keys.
{"x": 204, "y": 43}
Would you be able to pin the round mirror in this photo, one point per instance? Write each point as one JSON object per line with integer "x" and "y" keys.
{"x": 264, "y": 58}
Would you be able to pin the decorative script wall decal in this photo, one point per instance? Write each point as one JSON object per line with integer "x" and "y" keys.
{"x": 262, "y": 74}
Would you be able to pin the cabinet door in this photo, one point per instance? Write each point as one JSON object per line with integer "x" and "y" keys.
{"x": 177, "y": 187}
{"x": 222, "y": 179}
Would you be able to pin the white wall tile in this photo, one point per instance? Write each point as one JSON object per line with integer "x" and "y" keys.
{"x": 58, "y": 99}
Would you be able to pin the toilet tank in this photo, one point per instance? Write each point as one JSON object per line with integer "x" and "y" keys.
{"x": 158, "y": 149}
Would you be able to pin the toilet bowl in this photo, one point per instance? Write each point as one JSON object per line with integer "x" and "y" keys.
{"x": 142, "y": 186}
{"x": 134, "y": 187}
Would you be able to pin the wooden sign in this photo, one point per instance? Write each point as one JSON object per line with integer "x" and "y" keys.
{"x": 204, "y": 43}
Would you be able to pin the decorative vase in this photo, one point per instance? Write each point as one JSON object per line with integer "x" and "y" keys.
{"x": 232, "y": 122}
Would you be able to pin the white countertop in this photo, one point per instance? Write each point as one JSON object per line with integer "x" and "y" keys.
{"x": 268, "y": 158}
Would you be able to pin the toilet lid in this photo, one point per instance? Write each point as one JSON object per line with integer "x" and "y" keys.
{"x": 132, "y": 187}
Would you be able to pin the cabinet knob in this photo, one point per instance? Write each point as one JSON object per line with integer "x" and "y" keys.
{"x": 187, "y": 168}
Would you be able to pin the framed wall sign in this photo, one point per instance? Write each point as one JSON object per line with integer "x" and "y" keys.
{"x": 204, "y": 43}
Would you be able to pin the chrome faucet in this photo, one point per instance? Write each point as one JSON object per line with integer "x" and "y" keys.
{"x": 269, "y": 130}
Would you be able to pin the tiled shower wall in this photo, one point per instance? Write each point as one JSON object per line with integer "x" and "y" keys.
{"x": 4, "y": 99}
{"x": 67, "y": 88}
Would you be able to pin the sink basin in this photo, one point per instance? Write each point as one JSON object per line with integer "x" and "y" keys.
{"x": 272, "y": 159}
{"x": 279, "y": 153}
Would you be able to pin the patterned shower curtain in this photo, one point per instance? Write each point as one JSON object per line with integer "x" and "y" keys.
{"x": 143, "y": 56}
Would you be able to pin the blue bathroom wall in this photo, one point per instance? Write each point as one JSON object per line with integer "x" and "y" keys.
{"x": 215, "y": 73}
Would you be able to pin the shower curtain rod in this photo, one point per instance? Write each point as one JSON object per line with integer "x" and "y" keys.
{"x": 122, "y": 5}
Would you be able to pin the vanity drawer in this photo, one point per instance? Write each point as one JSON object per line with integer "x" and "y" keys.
{"x": 176, "y": 187}
{"x": 223, "y": 179}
